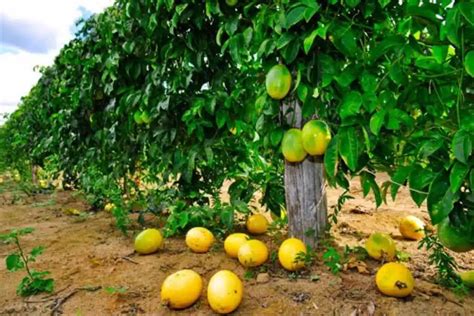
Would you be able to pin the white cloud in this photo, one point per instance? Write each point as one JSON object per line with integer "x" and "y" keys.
{"x": 16, "y": 65}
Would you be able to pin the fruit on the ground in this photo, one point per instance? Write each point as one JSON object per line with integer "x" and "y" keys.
{"x": 181, "y": 289}
{"x": 231, "y": 3}
{"x": 109, "y": 207}
{"x": 199, "y": 239}
{"x": 467, "y": 278}
{"x": 224, "y": 292}
{"x": 233, "y": 242}
{"x": 394, "y": 279}
{"x": 43, "y": 184}
{"x": 453, "y": 238}
{"x": 411, "y": 227}
{"x": 257, "y": 224}
{"x": 381, "y": 246}
{"x": 253, "y": 253}
{"x": 145, "y": 117}
{"x": 289, "y": 252}
{"x": 316, "y": 137}
{"x": 469, "y": 63}
{"x": 278, "y": 82}
{"x": 137, "y": 116}
{"x": 292, "y": 145}
{"x": 148, "y": 241}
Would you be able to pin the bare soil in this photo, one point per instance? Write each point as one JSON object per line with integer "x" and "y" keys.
{"x": 87, "y": 254}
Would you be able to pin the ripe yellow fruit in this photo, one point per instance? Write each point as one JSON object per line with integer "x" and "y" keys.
{"x": 224, "y": 292}
{"x": 199, "y": 239}
{"x": 412, "y": 227}
{"x": 181, "y": 289}
{"x": 467, "y": 278}
{"x": 278, "y": 82}
{"x": 233, "y": 242}
{"x": 257, "y": 224}
{"x": 316, "y": 137}
{"x": 253, "y": 253}
{"x": 109, "y": 207}
{"x": 292, "y": 145}
{"x": 381, "y": 246}
{"x": 394, "y": 279}
{"x": 148, "y": 241}
{"x": 289, "y": 250}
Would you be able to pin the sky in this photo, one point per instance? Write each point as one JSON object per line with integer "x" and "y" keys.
{"x": 31, "y": 33}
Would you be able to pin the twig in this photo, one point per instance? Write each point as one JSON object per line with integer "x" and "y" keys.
{"x": 49, "y": 297}
{"x": 130, "y": 260}
{"x": 61, "y": 300}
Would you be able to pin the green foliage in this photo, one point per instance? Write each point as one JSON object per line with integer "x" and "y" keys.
{"x": 444, "y": 262}
{"x": 388, "y": 77}
{"x": 35, "y": 282}
{"x": 333, "y": 260}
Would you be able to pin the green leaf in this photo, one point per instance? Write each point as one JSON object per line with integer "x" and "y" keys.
{"x": 349, "y": 147}
{"x": 351, "y": 104}
{"x": 36, "y": 251}
{"x": 384, "y": 3}
{"x": 308, "y": 41}
{"x": 352, "y": 3}
{"x": 295, "y": 16}
{"x": 302, "y": 92}
{"x": 14, "y": 262}
{"x": 462, "y": 146}
{"x": 276, "y": 136}
{"x": 398, "y": 178}
{"x": 467, "y": 10}
{"x": 419, "y": 181}
{"x": 389, "y": 43}
{"x": 458, "y": 174}
{"x": 331, "y": 159}
{"x": 376, "y": 122}
{"x": 429, "y": 147}
{"x": 221, "y": 118}
{"x": 284, "y": 40}
{"x": 440, "y": 199}
{"x": 368, "y": 82}
{"x": 440, "y": 53}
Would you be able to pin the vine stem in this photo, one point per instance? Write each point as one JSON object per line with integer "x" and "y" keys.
{"x": 22, "y": 254}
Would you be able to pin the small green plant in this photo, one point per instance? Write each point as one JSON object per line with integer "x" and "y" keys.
{"x": 337, "y": 208}
{"x": 307, "y": 258}
{"x": 359, "y": 252}
{"x": 35, "y": 282}
{"x": 402, "y": 256}
{"x": 333, "y": 260}
{"x": 445, "y": 264}
{"x": 249, "y": 274}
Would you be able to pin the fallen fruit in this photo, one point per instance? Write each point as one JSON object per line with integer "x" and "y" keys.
{"x": 181, "y": 289}
{"x": 233, "y": 242}
{"x": 412, "y": 227}
{"x": 381, "y": 246}
{"x": 316, "y": 137}
{"x": 43, "y": 184}
{"x": 292, "y": 146}
{"x": 199, "y": 239}
{"x": 257, "y": 224}
{"x": 148, "y": 241}
{"x": 467, "y": 278}
{"x": 288, "y": 254}
{"x": 394, "y": 279}
{"x": 278, "y": 82}
{"x": 253, "y": 253}
{"x": 224, "y": 292}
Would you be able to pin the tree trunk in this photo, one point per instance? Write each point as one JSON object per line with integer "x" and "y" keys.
{"x": 305, "y": 191}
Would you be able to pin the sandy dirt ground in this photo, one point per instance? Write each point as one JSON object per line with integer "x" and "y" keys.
{"x": 88, "y": 252}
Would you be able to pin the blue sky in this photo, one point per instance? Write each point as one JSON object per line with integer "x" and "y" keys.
{"x": 31, "y": 33}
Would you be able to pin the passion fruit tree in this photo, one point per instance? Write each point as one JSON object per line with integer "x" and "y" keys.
{"x": 392, "y": 81}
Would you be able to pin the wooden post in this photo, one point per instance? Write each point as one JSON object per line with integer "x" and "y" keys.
{"x": 305, "y": 189}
